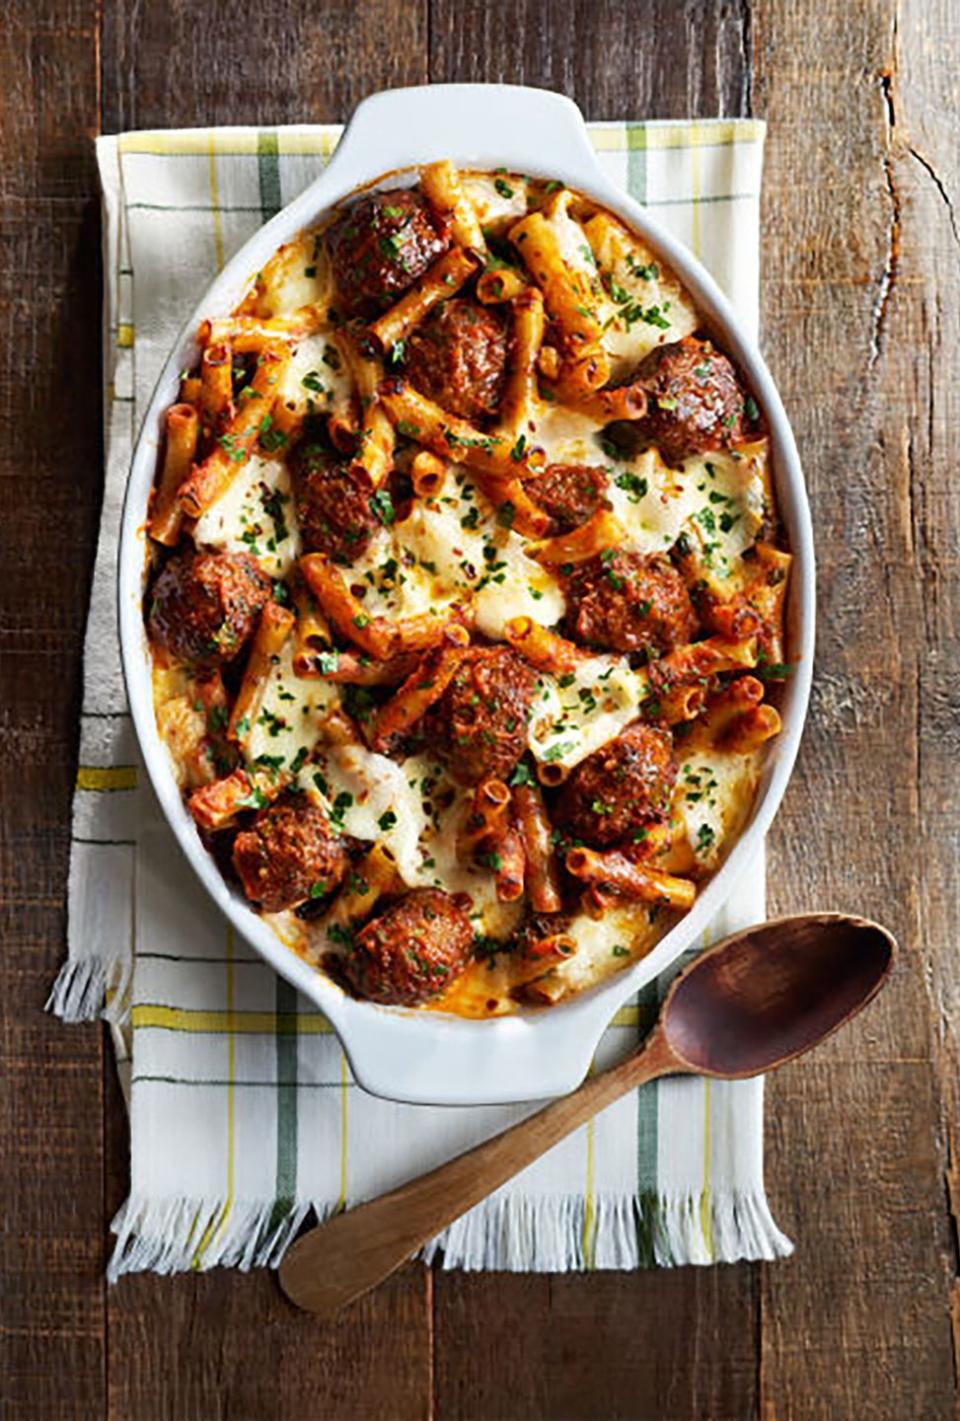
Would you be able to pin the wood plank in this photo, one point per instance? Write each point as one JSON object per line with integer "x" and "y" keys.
{"x": 52, "y": 1353}
{"x": 607, "y": 55}
{"x": 642, "y": 1345}
{"x": 225, "y": 1343}
{"x": 291, "y": 63}
{"x": 860, "y": 284}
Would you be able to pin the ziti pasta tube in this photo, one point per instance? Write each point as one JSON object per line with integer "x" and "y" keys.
{"x": 209, "y": 480}
{"x": 542, "y": 880}
{"x": 452, "y": 207}
{"x": 275, "y": 625}
{"x": 631, "y": 880}
{"x": 442, "y": 280}
{"x": 182, "y": 428}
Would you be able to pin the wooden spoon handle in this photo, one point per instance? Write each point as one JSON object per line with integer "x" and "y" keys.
{"x": 353, "y": 1252}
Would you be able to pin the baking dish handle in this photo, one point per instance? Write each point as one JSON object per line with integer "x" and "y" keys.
{"x": 485, "y": 125}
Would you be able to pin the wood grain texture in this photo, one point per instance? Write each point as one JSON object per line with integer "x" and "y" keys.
{"x": 52, "y": 1308}
{"x": 860, "y": 268}
{"x": 861, "y": 296}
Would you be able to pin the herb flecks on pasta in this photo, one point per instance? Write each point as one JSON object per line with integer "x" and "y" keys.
{"x": 467, "y": 594}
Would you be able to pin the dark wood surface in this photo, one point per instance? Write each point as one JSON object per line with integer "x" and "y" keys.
{"x": 861, "y": 301}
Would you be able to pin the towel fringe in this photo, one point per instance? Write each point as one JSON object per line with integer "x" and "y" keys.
{"x": 177, "y": 1235}
{"x": 90, "y": 987}
{"x": 511, "y": 1234}
{"x": 518, "y": 1234}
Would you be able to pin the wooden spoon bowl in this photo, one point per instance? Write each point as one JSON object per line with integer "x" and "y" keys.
{"x": 764, "y": 997}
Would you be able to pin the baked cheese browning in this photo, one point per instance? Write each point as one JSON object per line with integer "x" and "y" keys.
{"x": 467, "y": 594}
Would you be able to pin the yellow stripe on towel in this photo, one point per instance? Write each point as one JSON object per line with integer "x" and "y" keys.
{"x": 243, "y": 1023}
{"x": 106, "y": 777}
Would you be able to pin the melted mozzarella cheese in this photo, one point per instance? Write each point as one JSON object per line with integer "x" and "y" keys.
{"x": 360, "y": 790}
{"x": 255, "y": 515}
{"x": 567, "y": 437}
{"x": 316, "y": 380}
{"x": 289, "y": 716}
{"x": 449, "y": 549}
{"x": 713, "y": 796}
{"x": 574, "y": 715}
{"x": 606, "y": 945}
{"x": 497, "y": 201}
{"x": 719, "y": 499}
{"x": 650, "y": 307}
{"x": 298, "y": 274}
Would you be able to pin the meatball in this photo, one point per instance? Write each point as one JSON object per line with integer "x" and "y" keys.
{"x": 458, "y": 357}
{"x": 695, "y": 402}
{"x": 289, "y": 854}
{"x": 380, "y": 246}
{"x": 621, "y": 787}
{"x": 334, "y": 507}
{"x": 480, "y": 721}
{"x": 412, "y": 949}
{"x": 570, "y": 494}
{"x": 205, "y": 605}
{"x": 629, "y": 602}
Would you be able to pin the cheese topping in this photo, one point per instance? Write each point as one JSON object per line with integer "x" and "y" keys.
{"x": 255, "y": 515}
{"x": 577, "y": 713}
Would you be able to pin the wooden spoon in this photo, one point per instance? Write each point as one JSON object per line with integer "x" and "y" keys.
{"x": 754, "y": 1001}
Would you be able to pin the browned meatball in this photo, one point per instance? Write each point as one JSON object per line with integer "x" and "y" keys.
{"x": 629, "y": 602}
{"x": 694, "y": 399}
{"x": 570, "y": 494}
{"x": 621, "y": 787}
{"x": 205, "y": 605}
{"x": 480, "y": 721}
{"x": 288, "y": 855}
{"x": 414, "y": 947}
{"x": 458, "y": 357}
{"x": 334, "y": 507}
{"x": 380, "y": 246}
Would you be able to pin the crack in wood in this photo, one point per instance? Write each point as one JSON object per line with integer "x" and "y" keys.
{"x": 888, "y": 276}
{"x": 929, "y": 168}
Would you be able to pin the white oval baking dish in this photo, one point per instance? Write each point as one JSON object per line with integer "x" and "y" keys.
{"x": 426, "y": 1056}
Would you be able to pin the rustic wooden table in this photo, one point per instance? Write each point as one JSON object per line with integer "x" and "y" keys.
{"x": 861, "y": 301}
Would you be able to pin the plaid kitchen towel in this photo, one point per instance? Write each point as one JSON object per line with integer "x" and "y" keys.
{"x": 243, "y": 1113}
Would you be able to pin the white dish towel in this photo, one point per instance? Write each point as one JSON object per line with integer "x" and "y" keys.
{"x": 243, "y": 1113}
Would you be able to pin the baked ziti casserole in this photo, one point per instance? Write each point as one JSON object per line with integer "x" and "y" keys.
{"x": 466, "y": 594}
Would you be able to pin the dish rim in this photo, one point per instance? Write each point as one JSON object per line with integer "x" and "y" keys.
{"x": 460, "y": 1060}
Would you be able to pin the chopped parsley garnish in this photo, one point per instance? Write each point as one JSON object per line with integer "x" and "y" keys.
{"x": 503, "y": 188}
{"x": 646, "y": 272}
{"x": 234, "y": 452}
{"x": 633, "y": 485}
{"x": 557, "y": 752}
{"x": 271, "y": 439}
{"x": 382, "y": 505}
{"x": 387, "y": 820}
{"x": 341, "y": 804}
{"x": 774, "y": 670}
